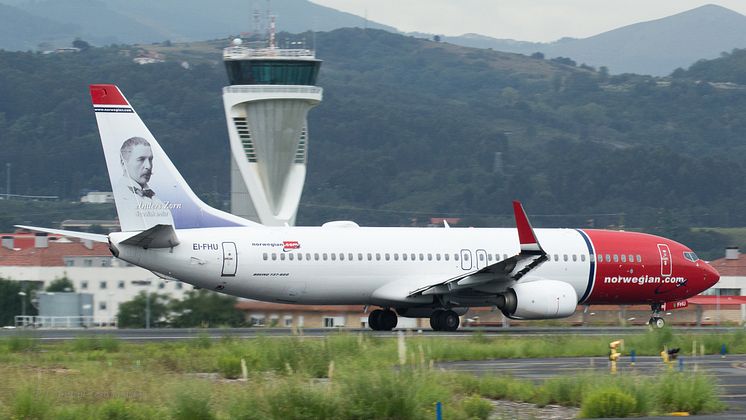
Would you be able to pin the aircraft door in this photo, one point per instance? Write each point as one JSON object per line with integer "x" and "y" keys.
{"x": 465, "y": 259}
{"x": 481, "y": 258}
{"x": 230, "y": 259}
{"x": 665, "y": 254}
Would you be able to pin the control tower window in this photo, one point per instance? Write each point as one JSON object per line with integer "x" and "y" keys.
{"x": 272, "y": 72}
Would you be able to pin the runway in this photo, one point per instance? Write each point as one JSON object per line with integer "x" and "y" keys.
{"x": 730, "y": 371}
{"x": 176, "y": 334}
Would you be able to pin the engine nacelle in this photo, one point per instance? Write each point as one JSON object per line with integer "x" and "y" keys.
{"x": 541, "y": 299}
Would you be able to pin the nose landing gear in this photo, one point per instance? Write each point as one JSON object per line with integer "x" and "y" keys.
{"x": 656, "y": 321}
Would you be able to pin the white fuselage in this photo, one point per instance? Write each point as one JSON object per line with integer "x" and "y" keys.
{"x": 351, "y": 265}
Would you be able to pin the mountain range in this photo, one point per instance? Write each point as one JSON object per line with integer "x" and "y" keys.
{"x": 656, "y": 47}
{"x": 46, "y": 24}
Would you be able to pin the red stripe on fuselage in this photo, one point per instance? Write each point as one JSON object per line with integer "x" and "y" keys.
{"x": 621, "y": 281}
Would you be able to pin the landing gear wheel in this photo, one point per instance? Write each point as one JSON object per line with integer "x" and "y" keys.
{"x": 374, "y": 320}
{"x": 657, "y": 322}
{"x": 388, "y": 320}
{"x": 449, "y": 321}
{"x": 435, "y": 320}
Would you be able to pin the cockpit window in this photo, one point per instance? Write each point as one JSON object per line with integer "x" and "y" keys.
{"x": 691, "y": 256}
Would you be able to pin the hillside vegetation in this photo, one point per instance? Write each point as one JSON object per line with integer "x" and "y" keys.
{"x": 410, "y": 128}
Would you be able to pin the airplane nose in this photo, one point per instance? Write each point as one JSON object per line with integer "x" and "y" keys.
{"x": 711, "y": 276}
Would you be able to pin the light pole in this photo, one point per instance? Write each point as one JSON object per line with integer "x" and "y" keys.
{"x": 23, "y": 306}
{"x": 147, "y": 310}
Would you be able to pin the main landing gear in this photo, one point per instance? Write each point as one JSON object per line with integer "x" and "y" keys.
{"x": 382, "y": 320}
{"x": 447, "y": 320}
{"x": 655, "y": 320}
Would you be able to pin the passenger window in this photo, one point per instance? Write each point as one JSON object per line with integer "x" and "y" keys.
{"x": 437, "y": 257}
{"x": 388, "y": 256}
{"x": 608, "y": 258}
{"x": 370, "y": 257}
{"x": 349, "y": 256}
{"x": 455, "y": 257}
{"x": 422, "y": 257}
{"x": 556, "y": 257}
{"x": 378, "y": 257}
{"x": 616, "y": 258}
{"x": 334, "y": 256}
{"x": 446, "y": 256}
{"x": 564, "y": 257}
{"x": 481, "y": 257}
{"x": 429, "y": 257}
{"x": 341, "y": 256}
{"x": 574, "y": 258}
{"x": 413, "y": 257}
{"x": 505, "y": 256}
{"x": 316, "y": 256}
{"x": 290, "y": 257}
{"x": 639, "y": 259}
{"x": 308, "y": 256}
{"x": 631, "y": 258}
{"x": 300, "y": 257}
{"x": 582, "y": 257}
{"x": 489, "y": 257}
{"x": 282, "y": 257}
{"x": 396, "y": 256}
{"x": 404, "y": 256}
{"x": 600, "y": 257}
{"x": 624, "y": 258}
{"x": 359, "y": 256}
{"x": 265, "y": 256}
{"x": 274, "y": 257}
{"x": 324, "y": 256}
{"x": 466, "y": 257}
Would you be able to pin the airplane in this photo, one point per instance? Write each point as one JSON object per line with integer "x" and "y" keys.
{"x": 430, "y": 273}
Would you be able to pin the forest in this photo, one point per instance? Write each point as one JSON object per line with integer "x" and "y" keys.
{"x": 409, "y": 129}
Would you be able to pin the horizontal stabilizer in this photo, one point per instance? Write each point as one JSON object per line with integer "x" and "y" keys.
{"x": 159, "y": 236}
{"x": 71, "y": 233}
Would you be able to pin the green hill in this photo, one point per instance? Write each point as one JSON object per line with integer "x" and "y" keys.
{"x": 408, "y": 129}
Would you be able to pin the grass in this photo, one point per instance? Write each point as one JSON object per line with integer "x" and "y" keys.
{"x": 339, "y": 376}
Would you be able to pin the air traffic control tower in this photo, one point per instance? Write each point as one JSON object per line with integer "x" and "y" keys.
{"x": 270, "y": 93}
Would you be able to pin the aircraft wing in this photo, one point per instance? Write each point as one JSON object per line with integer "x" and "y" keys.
{"x": 71, "y": 233}
{"x": 511, "y": 269}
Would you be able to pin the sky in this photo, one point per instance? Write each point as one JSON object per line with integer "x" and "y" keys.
{"x": 523, "y": 20}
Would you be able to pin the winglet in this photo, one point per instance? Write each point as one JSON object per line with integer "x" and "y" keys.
{"x": 526, "y": 235}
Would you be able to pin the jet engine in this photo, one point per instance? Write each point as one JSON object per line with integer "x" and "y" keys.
{"x": 541, "y": 299}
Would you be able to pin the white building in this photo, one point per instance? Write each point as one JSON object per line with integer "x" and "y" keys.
{"x": 40, "y": 259}
{"x": 98, "y": 197}
{"x": 266, "y": 106}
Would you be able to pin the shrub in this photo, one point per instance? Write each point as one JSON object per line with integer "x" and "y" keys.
{"x": 229, "y": 366}
{"x": 106, "y": 344}
{"x": 118, "y": 410}
{"x": 22, "y": 343}
{"x": 29, "y": 403}
{"x": 295, "y": 400}
{"x": 692, "y": 393}
{"x": 192, "y": 406}
{"x": 608, "y": 402}
{"x": 477, "y": 407}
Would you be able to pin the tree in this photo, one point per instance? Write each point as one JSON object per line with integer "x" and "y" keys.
{"x": 133, "y": 313}
{"x": 206, "y": 308}
{"x": 11, "y": 303}
{"x": 61, "y": 284}
{"x": 80, "y": 44}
